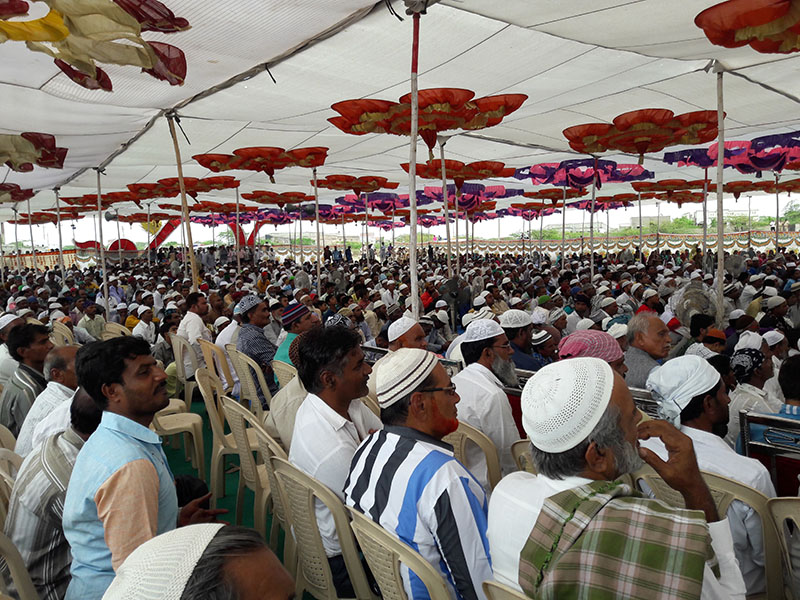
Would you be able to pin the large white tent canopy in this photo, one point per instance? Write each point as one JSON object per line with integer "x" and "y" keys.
{"x": 579, "y": 61}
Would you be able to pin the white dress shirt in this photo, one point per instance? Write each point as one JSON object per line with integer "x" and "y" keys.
{"x": 56, "y": 422}
{"x": 228, "y": 336}
{"x": 7, "y": 365}
{"x": 146, "y": 331}
{"x": 323, "y": 445}
{"x": 484, "y": 405}
{"x": 193, "y": 328}
{"x": 750, "y": 398}
{"x": 715, "y": 456}
{"x": 514, "y": 509}
{"x": 51, "y": 397}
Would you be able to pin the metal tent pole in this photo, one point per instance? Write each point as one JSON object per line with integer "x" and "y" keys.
{"x": 442, "y": 142}
{"x": 564, "y": 230}
{"x": 60, "y": 242}
{"x": 3, "y": 253}
{"x": 237, "y": 234}
{"x": 316, "y": 211}
{"x": 705, "y": 212}
{"x": 720, "y": 189}
{"x": 591, "y": 221}
{"x": 30, "y": 227}
{"x": 119, "y": 242}
{"x": 149, "y": 226}
{"x": 641, "y": 239}
{"x": 777, "y": 214}
{"x": 102, "y": 244}
{"x": 749, "y": 225}
{"x": 412, "y": 169}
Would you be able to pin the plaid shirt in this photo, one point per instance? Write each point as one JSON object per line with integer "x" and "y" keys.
{"x": 35, "y": 511}
{"x": 18, "y": 396}
{"x": 253, "y": 342}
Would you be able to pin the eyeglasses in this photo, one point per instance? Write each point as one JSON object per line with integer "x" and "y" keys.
{"x": 450, "y": 389}
{"x": 505, "y": 346}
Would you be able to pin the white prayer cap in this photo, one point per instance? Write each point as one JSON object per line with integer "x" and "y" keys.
{"x": 221, "y": 321}
{"x": 122, "y": 306}
{"x": 635, "y": 287}
{"x": 540, "y": 337}
{"x": 586, "y": 323}
{"x": 482, "y": 329}
{"x": 618, "y": 330}
{"x": 514, "y": 301}
{"x": 649, "y": 293}
{"x": 698, "y": 349}
{"x": 607, "y": 301}
{"x": 514, "y": 318}
{"x": 770, "y": 292}
{"x": 677, "y": 381}
{"x": 160, "y": 568}
{"x": 539, "y": 315}
{"x": 6, "y": 319}
{"x": 441, "y": 315}
{"x": 555, "y": 315}
{"x": 441, "y": 304}
{"x": 603, "y": 289}
{"x": 401, "y": 372}
{"x": 563, "y": 402}
{"x": 143, "y": 309}
{"x": 400, "y": 327}
{"x": 773, "y": 337}
{"x": 479, "y": 301}
{"x": 736, "y": 313}
{"x": 377, "y": 304}
{"x": 749, "y": 339}
{"x": 775, "y": 302}
{"x": 695, "y": 275}
{"x": 43, "y": 315}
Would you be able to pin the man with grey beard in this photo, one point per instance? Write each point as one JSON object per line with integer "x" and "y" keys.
{"x": 484, "y": 405}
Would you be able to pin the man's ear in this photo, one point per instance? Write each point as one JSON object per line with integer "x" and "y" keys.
{"x": 327, "y": 379}
{"x": 417, "y": 407}
{"x": 599, "y": 460}
{"x": 112, "y": 391}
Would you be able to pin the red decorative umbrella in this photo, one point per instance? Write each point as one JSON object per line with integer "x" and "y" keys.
{"x": 21, "y": 152}
{"x": 281, "y": 199}
{"x": 11, "y": 192}
{"x": 767, "y": 26}
{"x": 460, "y": 172}
{"x": 264, "y": 159}
{"x": 440, "y": 109}
{"x": 556, "y": 194}
{"x": 365, "y": 184}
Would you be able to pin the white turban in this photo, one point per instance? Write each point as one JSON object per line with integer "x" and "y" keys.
{"x": 749, "y": 339}
{"x": 677, "y": 381}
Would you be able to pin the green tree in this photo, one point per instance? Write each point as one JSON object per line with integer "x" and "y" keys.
{"x": 792, "y": 212}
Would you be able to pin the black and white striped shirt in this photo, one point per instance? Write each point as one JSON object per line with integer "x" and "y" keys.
{"x": 412, "y": 485}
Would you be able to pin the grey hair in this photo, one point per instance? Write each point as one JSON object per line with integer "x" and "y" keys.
{"x": 639, "y": 324}
{"x": 54, "y": 360}
{"x": 209, "y": 580}
{"x": 606, "y": 434}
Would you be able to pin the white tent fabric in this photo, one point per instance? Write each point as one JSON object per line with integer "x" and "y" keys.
{"x": 578, "y": 61}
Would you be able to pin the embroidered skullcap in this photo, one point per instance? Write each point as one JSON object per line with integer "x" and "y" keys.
{"x": 293, "y": 312}
{"x": 143, "y": 309}
{"x": 635, "y": 287}
{"x": 339, "y": 320}
{"x": 770, "y": 292}
{"x": 122, "y": 306}
{"x": 749, "y": 339}
{"x": 584, "y": 324}
{"x": 539, "y": 315}
{"x": 563, "y": 402}
{"x": 441, "y": 315}
{"x": 482, "y": 329}
{"x": 160, "y": 568}
{"x": 775, "y": 302}
{"x": 695, "y": 275}
{"x": 400, "y": 327}
{"x": 677, "y": 381}
{"x": 590, "y": 342}
{"x": 773, "y": 337}
{"x": 744, "y": 362}
{"x": 220, "y": 322}
{"x": 618, "y": 330}
{"x": 441, "y": 304}
{"x": 248, "y": 303}
{"x": 513, "y": 319}
{"x": 6, "y": 319}
{"x": 608, "y": 301}
{"x": 736, "y": 313}
{"x": 401, "y": 373}
{"x": 479, "y": 301}
{"x": 649, "y": 293}
{"x": 555, "y": 315}
{"x": 540, "y": 337}
{"x": 514, "y": 301}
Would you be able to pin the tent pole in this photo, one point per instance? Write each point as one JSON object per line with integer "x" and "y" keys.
{"x": 608, "y": 232}
{"x": 3, "y": 254}
{"x": 458, "y": 197}
{"x": 720, "y": 189}
{"x": 442, "y": 142}
{"x": 344, "y": 236}
{"x": 300, "y": 234}
{"x": 564, "y": 229}
{"x": 658, "y": 228}
{"x": 705, "y": 213}
{"x": 147, "y": 248}
{"x": 777, "y": 214}
{"x": 33, "y": 246}
{"x": 119, "y": 242}
{"x": 316, "y": 210}
{"x": 16, "y": 237}
{"x": 237, "y": 233}
{"x": 591, "y": 221}
{"x": 102, "y": 244}
{"x": 641, "y": 241}
{"x": 184, "y": 204}
{"x": 749, "y": 225}
{"x": 412, "y": 169}
{"x": 60, "y": 243}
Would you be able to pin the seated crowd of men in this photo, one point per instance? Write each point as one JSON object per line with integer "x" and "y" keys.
{"x": 96, "y": 509}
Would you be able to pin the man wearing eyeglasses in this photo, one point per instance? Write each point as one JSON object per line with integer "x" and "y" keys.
{"x": 407, "y": 480}
{"x": 484, "y": 404}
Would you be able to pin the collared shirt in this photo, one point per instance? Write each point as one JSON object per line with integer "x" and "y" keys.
{"x": 146, "y": 331}
{"x": 283, "y": 350}
{"x": 514, "y": 509}
{"x": 484, "y": 405}
{"x": 750, "y": 398}
{"x": 255, "y": 344}
{"x": 51, "y": 397}
{"x": 121, "y": 494}
{"x": 639, "y": 364}
{"x": 19, "y": 395}
{"x": 93, "y": 326}
{"x": 715, "y": 456}
{"x": 273, "y": 331}
{"x": 35, "y": 511}
{"x": 279, "y": 421}
{"x": 524, "y": 360}
{"x": 193, "y": 328}
{"x": 323, "y": 444}
{"x": 412, "y": 485}
{"x": 57, "y": 421}
{"x": 7, "y": 365}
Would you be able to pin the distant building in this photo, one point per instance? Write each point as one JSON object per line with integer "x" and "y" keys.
{"x": 646, "y": 221}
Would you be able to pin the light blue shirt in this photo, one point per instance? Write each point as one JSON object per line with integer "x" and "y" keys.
{"x": 117, "y": 442}
{"x": 283, "y": 350}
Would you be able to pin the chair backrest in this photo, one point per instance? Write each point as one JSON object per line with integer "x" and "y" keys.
{"x": 373, "y": 405}
{"x": 385, "y": 554}
{"x": 782, "y": 510}
{"x": 267, "y": 448}
{"x": 215, "y": 359}
{"x": 7, "y": 439}
{"x": 212, "y": 392}
{"x": 10, "y": 463}
{"x": 523, "y": 457}
{"x": 249, "y": 372}
{"x": 62, "y": 335}
{"x": 467, "y": 434}
{"x": 283, "y": 371}
{"x": 300, "y": 491}
{"x": 235, "y": 415}
{"x": 19, "y": 572}
{"x": 116, "y": 329}
{"x": 495, "y": 590}
{"x": 182, "y": 348}
{"x": 724, "y": 491}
